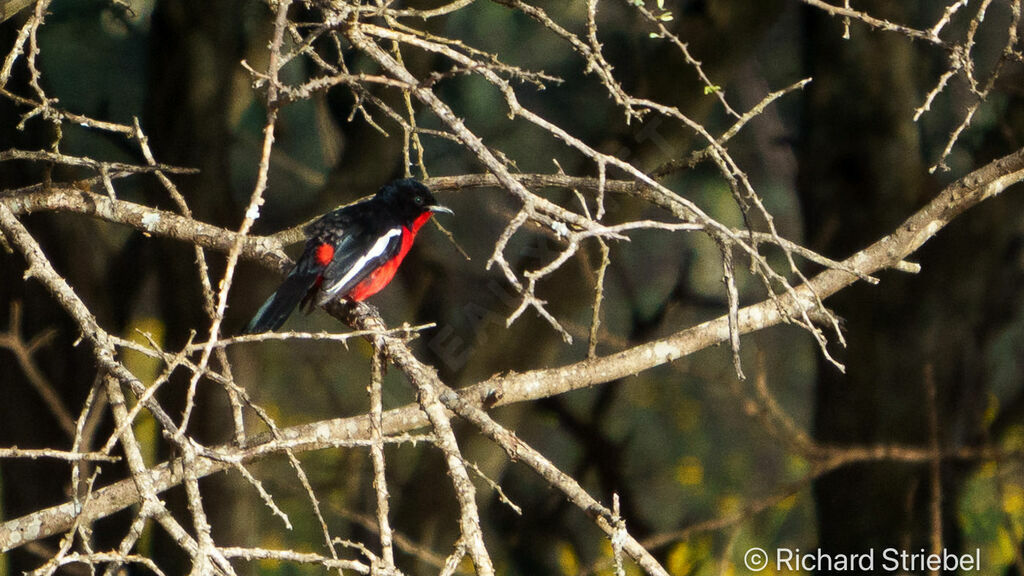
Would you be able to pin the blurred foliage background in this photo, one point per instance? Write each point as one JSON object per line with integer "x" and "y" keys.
{"x": 839, "y": 164}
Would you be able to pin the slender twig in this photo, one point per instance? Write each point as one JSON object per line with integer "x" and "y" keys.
{"x": 380, "y": 483}
{"x": 24, "y": 351}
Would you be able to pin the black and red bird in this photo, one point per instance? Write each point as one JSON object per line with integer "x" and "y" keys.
{"x": 352, "y": 252}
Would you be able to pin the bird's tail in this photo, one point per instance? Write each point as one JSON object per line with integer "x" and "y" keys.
{"x": 279, "y": 306}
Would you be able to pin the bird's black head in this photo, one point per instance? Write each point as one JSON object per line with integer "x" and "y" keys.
{"x": 410, "y": 199}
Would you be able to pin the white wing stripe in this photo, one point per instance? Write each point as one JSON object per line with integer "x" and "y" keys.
{"x": 376, "y": 250}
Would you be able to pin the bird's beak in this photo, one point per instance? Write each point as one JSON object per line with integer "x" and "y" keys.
{"x": 444, "y": 209}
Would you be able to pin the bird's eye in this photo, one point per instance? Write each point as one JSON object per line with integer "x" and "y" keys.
{"x": 419, "y": 200}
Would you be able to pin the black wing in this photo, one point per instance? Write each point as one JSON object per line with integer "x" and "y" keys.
{"x": 364, "y": 236}
{"x": 356, "y": 257}
{"x": 330, "y": 228}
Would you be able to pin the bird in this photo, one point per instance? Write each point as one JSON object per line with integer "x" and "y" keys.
{"x": 351, "y": 252}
